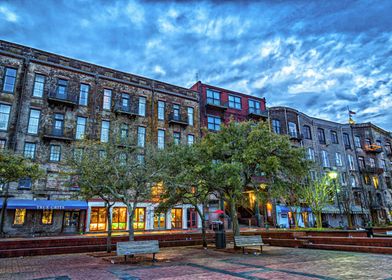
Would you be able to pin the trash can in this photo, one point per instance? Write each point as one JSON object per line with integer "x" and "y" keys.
{"x": 220, "y": 235}
{"x": 369, "y": 231}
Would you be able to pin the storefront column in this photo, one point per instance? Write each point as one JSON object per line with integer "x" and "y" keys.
{"x": 168, "y": 219}
{"x": 184, "y": 217}
{"x": 150, "y": 217}
{"x": 88, "y": 213}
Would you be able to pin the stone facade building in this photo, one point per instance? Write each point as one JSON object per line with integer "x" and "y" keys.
{"x": 334, "y": 148}
{"x": 48, "y": 101}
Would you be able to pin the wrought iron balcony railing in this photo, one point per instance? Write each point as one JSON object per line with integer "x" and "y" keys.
{"x": 64, "y": 98}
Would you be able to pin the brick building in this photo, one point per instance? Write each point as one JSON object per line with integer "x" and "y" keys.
{"x": 48, "y": 101}
{"x": 334, "y": 147}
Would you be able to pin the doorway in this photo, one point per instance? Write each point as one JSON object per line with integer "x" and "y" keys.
{"x": 71, "y": 221}
{"x": 191, "y": 216}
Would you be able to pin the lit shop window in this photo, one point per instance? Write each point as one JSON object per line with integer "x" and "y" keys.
{"x": 139, "y": 218}
{"x": 20, "y": 215}
{"x": 98, "y": 219}
{"x": 119, "y": 218}
{"x": 47, "y": 217}
{"x": 159, "y": 221}
{"x": 176, "y": 217}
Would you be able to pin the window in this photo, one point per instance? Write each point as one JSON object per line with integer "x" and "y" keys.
{"x": 235, "y": 102}
{"x": 47, "y": 217}
{"x": 161, "y": 139}
{"x": 325, "y": 159}
{"x": 29, "y": 150}
{"x": 342, "y": 177}
{"x": 177, "y": 138}
{"x": 119, "y": 219}
{"x": 105, "y": 128}
{"x": 338, "y": 159}
{"x": 83, "y": 94}
{"x": 334, "y": 137}
{"x": 55, "y": 153}
{"x": 4, "y": 116}
{"x": 361, "y": 161}
{"x": 58, "y": 124}
{"x": 214, "y": 123}
{"x": 39, "y": 85}
{"x": 102, "y": 154}
{"x": 372, "y": 162}
{"x": 62, "y": 88}
{"x": 307, "y": 132}
{"x": 357, "y": 141}
{"x": 254, "y": 106}
{"x": 142, "y": 106}
{"x": 125, "y": 102}
{"x": 24, "y": 184}
{"x": 353, "y": 181}
{"x": 310, "y": 154}
{"x": 191, "y": 139}
{"x": 367, "y": 142}
{"x": 321, "y": 135}
{"x": 161, "y": 110}
{"x": 346, "y": 141}
{"x": 124, "y": 132}
{"x": 213, "y": 97}
{"x": 139, "y": 218}
{"x": 190, "y": 116}
{"x": 2, "y": 144}
{"x": 383, "y": 164}
{"x": 276, "y": 126}
{"x": 98, "y": 219}
{"x": 176, "y": 218}
{"x": 20, "y": 215}
{"x": 78, "y": 154}
{"x": 141, "y": 136}
{"x": 33, "y": 121}
{"x": 159, "y": 220}
{"x": 313, "y": 175}
{"x": 107, "y": 99}
{"x": 350, "y": 159}
{"x": 376, "y": 183}
{"x": 9, "y": 80}
{"x": 176, "y": 111}
{"x": 292, "y": 129}
{"x": 80, "y": 127}
{"x": 388, "y": 148}
{"x": 122, "y": 158}
{"x": 140, "y": 159}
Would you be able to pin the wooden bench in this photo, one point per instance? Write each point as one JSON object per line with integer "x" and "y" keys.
{"x": 131, "y": 248}
{"x": 246, "y": 241}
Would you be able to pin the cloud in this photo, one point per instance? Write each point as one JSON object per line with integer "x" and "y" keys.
{"x": 318, "y": 57}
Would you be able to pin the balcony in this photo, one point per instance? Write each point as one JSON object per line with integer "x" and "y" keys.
{"x": 295, "y": 136}
{"x": 257, "y": 113}
{"x": 372, "y": 170}
{"x": 216, "y": 104}
{"x": 62, "y": 98}
{"x": 127, "y": 110}
{"x": 178, "y": 119}
{"x": 52, "y": 133}
{"x": 373, "y": 148}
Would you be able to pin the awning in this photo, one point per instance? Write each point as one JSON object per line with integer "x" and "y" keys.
{"x": 306, "y": 209}
{"x": 330, "y": 209}
{"x": 355, "y": 209}
{"x": 282, "y": 209}
{"x": 46, "y": 204}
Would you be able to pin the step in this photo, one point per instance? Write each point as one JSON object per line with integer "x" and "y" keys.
{"x": 280, "y": 242}
{"x": 357, "y": 241}
{"x": 351, "y": 248}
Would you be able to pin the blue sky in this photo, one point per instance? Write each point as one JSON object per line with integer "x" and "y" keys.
{"x": 316, "y": 56}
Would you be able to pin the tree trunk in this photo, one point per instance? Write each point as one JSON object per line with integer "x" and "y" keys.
{"x": 234, "y": 218}
{"x": 109, "y": 237}
{"x": 349, "y": 219}
{"x": 3, "y": 209}
{"x": 203, "y": 226}
{"x": 130, "y": 224}
{"x": 319, "y": 223}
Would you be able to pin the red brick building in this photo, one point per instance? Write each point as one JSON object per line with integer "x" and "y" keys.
{"x": 218, "y": 106}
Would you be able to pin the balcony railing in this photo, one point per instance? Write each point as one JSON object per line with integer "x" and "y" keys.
{"x": 217, "y": 104}
{"x": 373, "y": 148}
{"x": 131, "y": 110}
{"x": 63, "y": 98}
{"x": 295, "y": 136}
{"x": 370, "y": 169}
{"x": 58, "y": 134}
{"x": 253, "y": 112}
{"x": 178, "y": 119}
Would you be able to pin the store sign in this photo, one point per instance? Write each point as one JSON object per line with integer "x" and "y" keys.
{"x": 54, "y": 207}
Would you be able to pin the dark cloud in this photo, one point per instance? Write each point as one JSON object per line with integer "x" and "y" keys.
{"x": 316, "y": 56}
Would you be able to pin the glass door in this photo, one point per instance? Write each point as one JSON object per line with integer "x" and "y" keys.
{"x": 71, "y": 221}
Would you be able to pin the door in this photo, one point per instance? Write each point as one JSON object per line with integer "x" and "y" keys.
{"x": 176, "y": 218}
{"x": 191, "y": 214}
{"x": 71, "y": 221}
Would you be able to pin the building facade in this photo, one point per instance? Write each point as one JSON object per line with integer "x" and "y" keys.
{"x": 333, "y": 147}
{"x": 48, "y": 101}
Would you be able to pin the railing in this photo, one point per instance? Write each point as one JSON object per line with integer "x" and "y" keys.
{"x": 216, "y": 103}
{"x": 373, "y": 148}
{"x": 371, "y": 169}
{"x": 65, "y": 97}
{"x": 132, "y": 109}
{"x": 258, "y": 112}
{"x": 60, "y": 134}
{"x": 178, "y": 118}
{"x": 295, "y": 136}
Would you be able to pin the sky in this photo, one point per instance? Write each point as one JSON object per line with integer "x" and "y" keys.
{"x": 316, "y": 56}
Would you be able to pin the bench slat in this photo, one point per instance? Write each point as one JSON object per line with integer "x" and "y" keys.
{"x": 243, "y": 241}
{"x": 137, "y": 247}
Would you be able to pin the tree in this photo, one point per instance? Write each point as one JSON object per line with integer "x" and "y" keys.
{"x": 14, "y": 167}
{"x": 318, "y": 194}
{"x": 190, "y": 178}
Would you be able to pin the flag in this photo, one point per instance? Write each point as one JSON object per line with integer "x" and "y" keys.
{"x": 351, "y": 112}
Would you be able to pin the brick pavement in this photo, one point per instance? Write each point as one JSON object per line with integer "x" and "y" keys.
{"x": 196, "y": 263}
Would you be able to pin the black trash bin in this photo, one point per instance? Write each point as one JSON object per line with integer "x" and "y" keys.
{"x": 220, "y": 235}
{"x": 369, "y": 231}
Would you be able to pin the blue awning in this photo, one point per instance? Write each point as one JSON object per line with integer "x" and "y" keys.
{"x": 283, "y": 209}
{"x": 46, "y": 204}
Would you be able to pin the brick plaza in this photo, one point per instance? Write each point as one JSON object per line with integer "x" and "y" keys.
{"x": 196, "y": 263}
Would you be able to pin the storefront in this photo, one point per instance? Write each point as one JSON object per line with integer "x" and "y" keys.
{"x": 285, "y": 216}
{"x": 44, "y": 217}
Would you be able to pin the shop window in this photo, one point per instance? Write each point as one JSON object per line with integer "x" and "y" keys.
{"x": 20, "y": 215}
{"x": 47, "y": 217}
{"x": 139, "y": 218}
{"x": 119, "y": 219}
{"x": 98, "y": 219}
{"x": 159, "y": 221}
{"x": 375, "y": 182}
{"x": 176, "y": 218}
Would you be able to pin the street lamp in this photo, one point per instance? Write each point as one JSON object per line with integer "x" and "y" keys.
{"x": 333, "y": 175}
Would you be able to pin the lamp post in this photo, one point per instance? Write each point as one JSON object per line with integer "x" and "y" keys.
{"x": 333, "y": 175}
